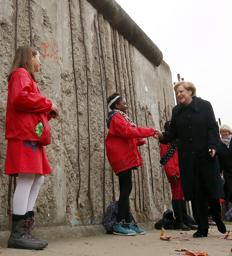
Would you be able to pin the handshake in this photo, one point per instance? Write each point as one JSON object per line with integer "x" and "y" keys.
{"x": 158, "y": 134}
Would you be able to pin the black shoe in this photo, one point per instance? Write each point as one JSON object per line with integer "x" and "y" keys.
{"x": 221, "y": 227}
{"x": 191, "y": 226}
{"x": 181, "y": 226}
{"x": 200, "y": 233}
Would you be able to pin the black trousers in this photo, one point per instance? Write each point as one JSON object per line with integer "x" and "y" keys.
{"x": 125, "y": 185}
{"x": 201, "y": 206}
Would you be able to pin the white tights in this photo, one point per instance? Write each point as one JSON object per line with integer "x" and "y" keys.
{"x": 26, "y": 192}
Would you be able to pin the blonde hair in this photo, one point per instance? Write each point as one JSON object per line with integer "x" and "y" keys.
{"x": 187, "y": 85}
{"x": 225, "y": 128}
{"x": 23, "y": 59}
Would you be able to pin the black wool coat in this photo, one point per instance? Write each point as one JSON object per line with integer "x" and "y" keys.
{"x": 225, "y": 160}
{"x": 196, "y": 130}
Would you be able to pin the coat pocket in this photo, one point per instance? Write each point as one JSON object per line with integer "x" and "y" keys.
{"x": 42, "y": 131}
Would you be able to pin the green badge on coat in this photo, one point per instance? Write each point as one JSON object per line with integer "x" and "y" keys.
{"x": 39, "y": 129}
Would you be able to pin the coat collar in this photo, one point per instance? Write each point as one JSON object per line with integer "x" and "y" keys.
{"x": 193, "y": 105}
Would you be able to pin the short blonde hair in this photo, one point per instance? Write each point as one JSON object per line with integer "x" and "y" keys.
{"x": 225, "y": 128}
{"x": 187, "y": 85}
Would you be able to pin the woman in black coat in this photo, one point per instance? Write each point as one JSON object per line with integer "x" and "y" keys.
{"x": 225, "y": 160}
{"x": 194, "y": 126}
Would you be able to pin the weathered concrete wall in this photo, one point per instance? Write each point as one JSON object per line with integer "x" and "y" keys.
{"x": 84, "y": 60}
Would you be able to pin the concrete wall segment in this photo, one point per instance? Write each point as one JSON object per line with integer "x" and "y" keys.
{"x": 84, "y": 60}
{"x": 121, "y": 21}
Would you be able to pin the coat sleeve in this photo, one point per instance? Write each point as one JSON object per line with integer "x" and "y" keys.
{"x": 25, "y": 98}
{"x": 171, "y": 134}
{"x": 121, "y": 128}
{"x": 213, "y": 130}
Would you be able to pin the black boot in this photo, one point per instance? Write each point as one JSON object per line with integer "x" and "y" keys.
{"x": 167, "y": 221}
{"x": 19, "y": 237}
{"x": 30, "y": 222}
{"x": 178, "y": 211}
{"x": 215, "y": 208}
{"x": 221, "y": 226}
{"x": 187, "y": 219}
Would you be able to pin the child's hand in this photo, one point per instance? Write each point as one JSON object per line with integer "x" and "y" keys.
{"x": 54, "y": 112}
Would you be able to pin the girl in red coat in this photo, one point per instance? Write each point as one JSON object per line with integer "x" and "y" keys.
{"x": 169, "y": 159}
{"x": 122, "y": 143}
{"x": 27, "y": 131}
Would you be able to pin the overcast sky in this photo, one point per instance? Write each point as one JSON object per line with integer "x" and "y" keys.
{"x": 195, "y": 38}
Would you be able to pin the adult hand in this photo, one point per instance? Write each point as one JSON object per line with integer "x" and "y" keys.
{"x": 212, "y": 152}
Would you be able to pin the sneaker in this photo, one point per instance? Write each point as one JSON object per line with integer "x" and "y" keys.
{"x": 137, "y": 229}
{"x": 119, "y": 229}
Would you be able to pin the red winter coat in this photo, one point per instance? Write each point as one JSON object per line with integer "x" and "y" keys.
{"x": 172, "y": 169}
{"x": 26, "y": 106}
{"x": 172, "y": 166}
{"x": 122, "y": 143}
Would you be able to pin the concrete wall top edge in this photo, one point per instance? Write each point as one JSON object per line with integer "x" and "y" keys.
{"x": 122, "y": 22}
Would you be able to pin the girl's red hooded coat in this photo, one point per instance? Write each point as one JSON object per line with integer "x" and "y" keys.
{"x": 122, "y": 143}
{"x": 172, "y": 166}
{"x": 172, "y": 169}
{"x": 26, "y": 106}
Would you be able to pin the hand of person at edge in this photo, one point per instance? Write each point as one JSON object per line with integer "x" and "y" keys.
{"x": 212, "y": 152}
